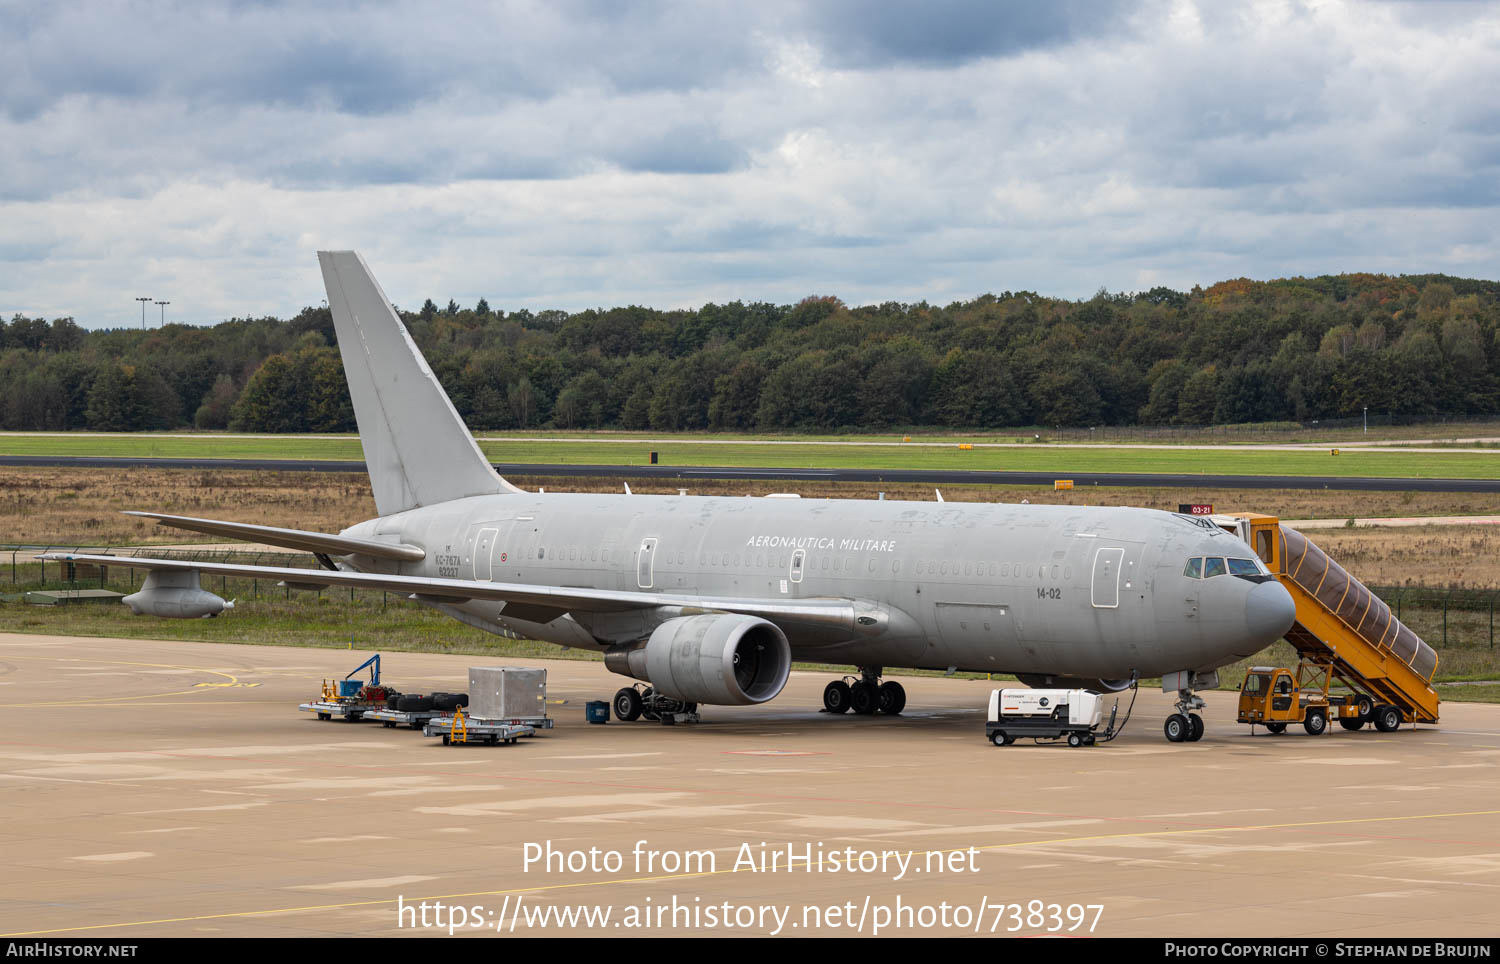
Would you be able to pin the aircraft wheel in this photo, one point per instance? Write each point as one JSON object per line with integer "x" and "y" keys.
{"x": 1387, "y": 719}
{"x": 836, "y": 697}
{"x": 1316, "y": 723}
{"x": 627, "y": 704}
{"x": 1276, "y": 728}
{"x": 1176, "y": 728}
{"x": 864, "y": 699}
{"x": 1196, "y": 732}
{"x": 892, "y": 698}
{"x": 1074, "y": 740}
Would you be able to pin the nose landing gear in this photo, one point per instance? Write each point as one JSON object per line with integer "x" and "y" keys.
{"x": 864, "y": 694}
{"x": 1185, "y": 726}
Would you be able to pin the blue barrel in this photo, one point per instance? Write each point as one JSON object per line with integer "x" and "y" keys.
{"x": 596, "y": 711}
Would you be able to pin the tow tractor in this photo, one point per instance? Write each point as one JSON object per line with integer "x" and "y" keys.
{"x": 351, "y": 698}
{"x": 1052, "y": 716}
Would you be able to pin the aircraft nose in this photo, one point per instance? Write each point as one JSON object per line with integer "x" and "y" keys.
{"x": 1269, "y": 612}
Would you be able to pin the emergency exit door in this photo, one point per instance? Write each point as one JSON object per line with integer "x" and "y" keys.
{"x": 645, "y": 564}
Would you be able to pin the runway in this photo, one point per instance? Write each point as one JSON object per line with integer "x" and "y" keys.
{"x": 159, "y": 788}
{"x": 936, "y": 477}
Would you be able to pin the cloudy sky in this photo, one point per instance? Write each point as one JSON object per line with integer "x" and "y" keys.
{"x": 576, "y": 154}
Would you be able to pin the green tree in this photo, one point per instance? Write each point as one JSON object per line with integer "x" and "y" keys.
{"x": 1199, "y": 398}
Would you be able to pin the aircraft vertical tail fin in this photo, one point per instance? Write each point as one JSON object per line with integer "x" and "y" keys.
{"x": 417, "y": 450}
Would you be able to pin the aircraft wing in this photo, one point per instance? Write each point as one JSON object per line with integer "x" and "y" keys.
{"x": 299, "y": 539}
{"x": 535, "y": 600}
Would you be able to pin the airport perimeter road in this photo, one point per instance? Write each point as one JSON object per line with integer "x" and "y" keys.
{"x": 936, "y": 477}
{"x": 155, "y": 788}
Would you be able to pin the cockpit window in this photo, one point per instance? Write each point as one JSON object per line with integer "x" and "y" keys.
{"x": 1244, "y": 567}
{"x": 1213, "y": 566}
{"x": 1257, "y": 683}
{"x": 1193, "y": 569}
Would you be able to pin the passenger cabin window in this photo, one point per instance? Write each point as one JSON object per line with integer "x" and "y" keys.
{"x": 1193, "y": 569}
{"x": 1213, "y": 566}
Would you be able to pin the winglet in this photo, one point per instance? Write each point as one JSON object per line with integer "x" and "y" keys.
{"x": 417, "y": 450}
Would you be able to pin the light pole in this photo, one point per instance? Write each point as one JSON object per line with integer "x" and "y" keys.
{"x": 143, "y": 310}
{"x": 1367, "y": 420}
{"x": 163, "y": 305}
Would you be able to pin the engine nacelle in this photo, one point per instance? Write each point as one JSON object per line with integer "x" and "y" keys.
{"x": 1040, "y": 681}
{"x": 721, "y": 658}
{"x": 175, "y": 594}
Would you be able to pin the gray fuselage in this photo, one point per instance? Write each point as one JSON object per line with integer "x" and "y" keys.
{"x": 1035, "y": 589}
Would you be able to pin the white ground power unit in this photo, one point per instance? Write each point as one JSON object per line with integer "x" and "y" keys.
{"x": 1048, "y": 715}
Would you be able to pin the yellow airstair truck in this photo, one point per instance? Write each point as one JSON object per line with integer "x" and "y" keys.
{"x": 1357, "y": 663}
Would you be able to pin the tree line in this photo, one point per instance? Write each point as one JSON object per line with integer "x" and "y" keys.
{"x": 1408, "y": 348}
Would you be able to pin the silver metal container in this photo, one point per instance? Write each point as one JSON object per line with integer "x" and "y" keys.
{"x": 507, "y": 693}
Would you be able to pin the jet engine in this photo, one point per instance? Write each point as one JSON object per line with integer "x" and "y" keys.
{"x": 1042, "y": 681}
{"x": 721, "y": 658}
{"x": 175, "y": 594}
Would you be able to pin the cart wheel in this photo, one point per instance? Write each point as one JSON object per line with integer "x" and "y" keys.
{"x": 1366, "y": 708}
{"x": 447, "y": 740}
{"x": 1089, "y": 740}
{"x": 1176, "y": 728}
{"x": 1276, "y": 728}
{"x": 999, "y": 738}
{"x": 325, "y": 716}
{"x": 1196, "y": 733}
{"x": 1074, "y": 740}
{"x": 1387, "y": 719}
{"x": 1352, "y": 723}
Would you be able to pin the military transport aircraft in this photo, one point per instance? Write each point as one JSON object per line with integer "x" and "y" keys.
{"x": 708, "y": 600}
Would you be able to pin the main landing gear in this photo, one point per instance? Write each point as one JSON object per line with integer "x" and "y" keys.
{"x": 1185, "y": 726}
{"x": 636, "y": 702}
{"x": 864, "y": 694}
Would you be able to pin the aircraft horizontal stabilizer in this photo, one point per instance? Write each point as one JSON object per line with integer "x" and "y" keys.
{"x": 827, "y": 611}
{"x": 299, "y": 539}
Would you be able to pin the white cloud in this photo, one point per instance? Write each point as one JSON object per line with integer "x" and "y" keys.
{"x": 584, "y": 154}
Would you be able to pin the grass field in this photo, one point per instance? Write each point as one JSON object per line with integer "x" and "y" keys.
{"x": 1459, "y": 463}
{"x": 74, "y": 507}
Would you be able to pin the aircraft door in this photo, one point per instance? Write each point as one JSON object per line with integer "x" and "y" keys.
{"x": 1192, "y": 578}
{"x": 1105, "y": 592}
{"x": 483, "y": 544}
{"x": 501, "y": 551}
{"x": 645, "y": 564}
